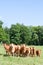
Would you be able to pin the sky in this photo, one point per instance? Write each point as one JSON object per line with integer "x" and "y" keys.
{"x": 27, "y": 12}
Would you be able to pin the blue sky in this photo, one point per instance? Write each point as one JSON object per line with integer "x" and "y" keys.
{"x": 27, "y": 12}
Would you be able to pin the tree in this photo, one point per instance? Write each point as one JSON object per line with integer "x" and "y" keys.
{"x": 25, "y": 34}
{"x": 7, "y": 32}
{"x": 3, "y": 34}
{"x": 35, "y": 39}
{"x": 14, "y": 34}
{"x": 1, "y": 23}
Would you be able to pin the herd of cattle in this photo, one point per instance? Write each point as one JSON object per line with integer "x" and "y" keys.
{"x": 21, "y": 50}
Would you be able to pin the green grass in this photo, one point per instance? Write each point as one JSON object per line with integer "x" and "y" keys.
{"x": 9, "y": 60}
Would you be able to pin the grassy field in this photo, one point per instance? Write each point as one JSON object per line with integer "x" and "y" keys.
{"x": 9, "y": 60}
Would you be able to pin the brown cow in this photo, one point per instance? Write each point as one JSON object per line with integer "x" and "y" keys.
{"x": 22, "y": 49}
{"x": 27, "y": 52}
{"x": 17, "y": 50}
{"x": 32, "y": 51}
{"x": 7, "y": 48}
{"x": 38, "y": 52}
{"x": 13, "y": 49}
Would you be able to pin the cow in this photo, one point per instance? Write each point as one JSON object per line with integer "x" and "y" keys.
{"x": 22, "y": 49}
{"x": 32, "y": 51}
{"x": 27, "y": 52}
{"x": 17, "y": 50}
{"x": 13, "y": 49}
{"x": 7, "y": 48}
{"x": 38, "y": 52}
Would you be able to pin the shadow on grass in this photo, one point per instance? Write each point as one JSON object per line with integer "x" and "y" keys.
{"x": 5, "y": 55}
{"x": 1, "y": 54}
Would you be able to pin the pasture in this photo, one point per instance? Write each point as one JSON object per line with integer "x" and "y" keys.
{"x": 13, "y": 60}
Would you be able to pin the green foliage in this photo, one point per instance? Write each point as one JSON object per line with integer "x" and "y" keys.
{"x": 19, "y": 33}
{"x": 7, "y": 35}
{"x": 1, "y": 23}
{"x": 3, "y": 35}
{"x": 25, "y": 34}
{"x": 15, "y": 34}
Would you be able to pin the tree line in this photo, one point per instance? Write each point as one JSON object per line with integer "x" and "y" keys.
{"x": 20, "y": 34}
